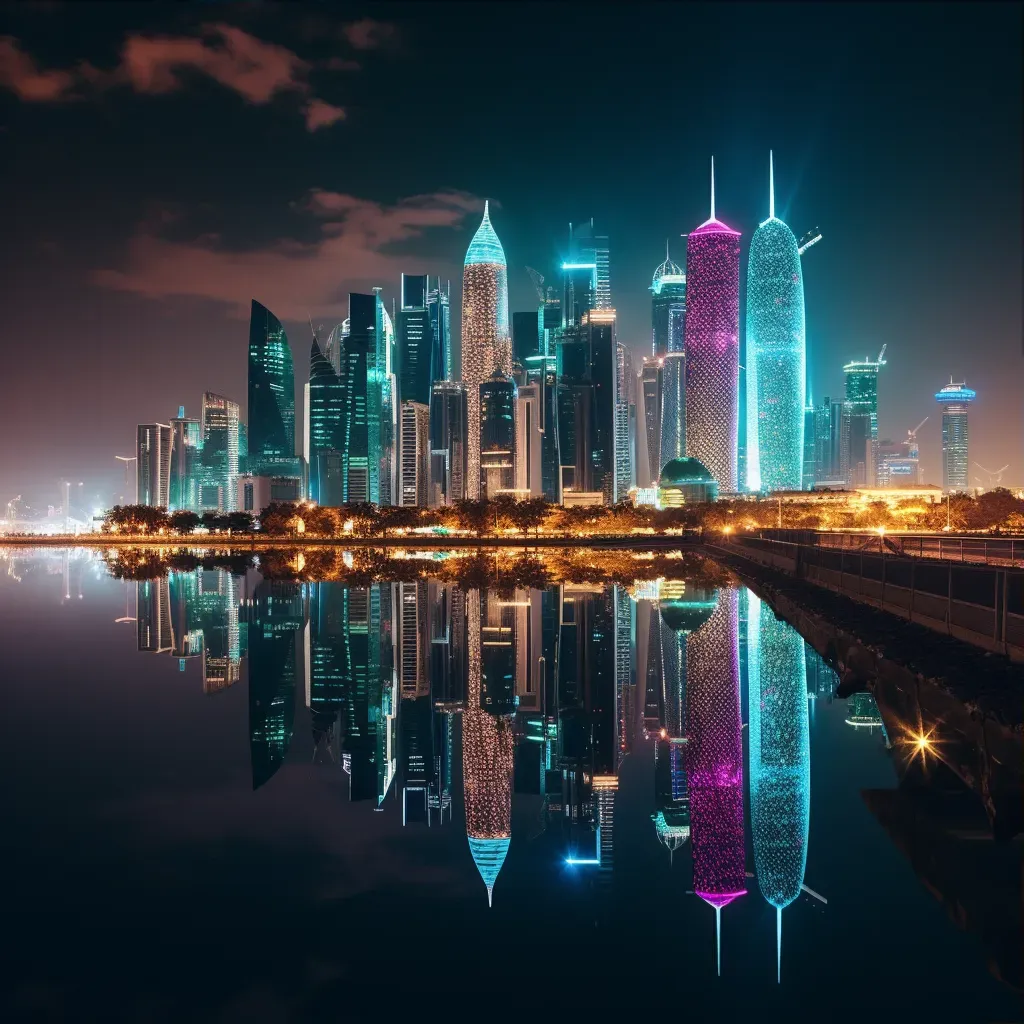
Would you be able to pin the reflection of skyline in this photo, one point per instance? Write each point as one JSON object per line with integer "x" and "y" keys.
{"x": 780, "y": 758}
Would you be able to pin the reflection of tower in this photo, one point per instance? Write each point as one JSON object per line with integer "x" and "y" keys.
{"x": 671, "y": 794}
{"x": 654, "y": 705}
{"x": 715, "y": 759}
{"x": 154, "y": 615}
{"x": 217, "y": 601}
{"x": 625, "y": 670}
{"x": 487, "y": 765}
{"x": 780, "y": 758}
{"x": 276, "y": 615}
{"x": 328, "y": 668}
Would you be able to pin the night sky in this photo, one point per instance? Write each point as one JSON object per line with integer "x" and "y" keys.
{"x": 162, "y": 165}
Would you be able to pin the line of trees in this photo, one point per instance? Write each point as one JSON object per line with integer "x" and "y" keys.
{"x": 150, "y": 519}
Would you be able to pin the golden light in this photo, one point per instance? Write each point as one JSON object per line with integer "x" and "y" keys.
{"x": 664, "y": 733}
{"x": 726, "y": 529}
{"x": 881, "y": 531}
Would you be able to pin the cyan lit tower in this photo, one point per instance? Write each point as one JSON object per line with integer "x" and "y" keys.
{"x": 780, "y": 757}
{"x": 422, "y": 332}
{"x": 714, "y": 759}
{"x": 668, "y": 321}
{"x": 185, "y": 444}
{"x": 954, "y": 399}
{"x": 859, "y": 429}
{"x": 668, "y": 307}
{"x": 153, "y": 463}
{"x": 440, "y": 310}
{"x": 324, "y": 434}
{"x": 221, "y": 454}
{"x": 271, "y": 432}
{"x": 712, "y": 347}
{"x": 776, "y": 357}
{"x": 486, "y": 344}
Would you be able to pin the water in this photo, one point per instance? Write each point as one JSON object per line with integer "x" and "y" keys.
{"x": 206, "y": 778}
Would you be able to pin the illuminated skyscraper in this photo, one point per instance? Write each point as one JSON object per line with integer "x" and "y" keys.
{"x": 651, "y": 377}
{"x": 487, "y": 766}
{"x": 448, "y": 432}
{"x": 712, "y": 347}
{"x": 417, "y": 349}
{"x": 529, "y": 441}
{"x": 668, "y": 308}
{"x": 776, "y": 356}
{"x": 497, "y": 435}
{"x": 780, "y": 757}
{"x": 153, "y": 463}
{"x": 219, "y": 460}
{"x": 413, "y": 485}
{"x": 324, "y": 434}
{"x": 625, "y": 398}
{"x": 587, "y": 247}
{"x": 859, "y": 430}
{"x": 954, "y": 399}
{"x": 185, "y": 441}
{"x": 271, "y": 396}
{"x": 714, "y": 758}
{"x": 486, "y": 345}
{"x": 439, "y": 308}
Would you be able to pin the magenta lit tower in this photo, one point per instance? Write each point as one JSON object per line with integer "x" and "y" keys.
{"x": 714, "y": 760}
{"x": 712, "y": 346}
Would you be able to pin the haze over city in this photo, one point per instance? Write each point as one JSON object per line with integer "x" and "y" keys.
{"x": 170, "y": 165}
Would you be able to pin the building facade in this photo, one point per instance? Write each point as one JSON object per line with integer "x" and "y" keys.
{"x": 954, "y": 399}
{"x": 448, "y": 434}
{"x": 486, "y": 344}
{"x": 153, "y": 463}
{"x": 859, "y": 429}
{"x": 712, "y": 347}
{"x": 414, "y": 479}
{"x": 271, "y": 434}
{"x": 497, "y": 435}
{"x": 776, "y": 356}
{"x": 324, "y": 434}
{"x": 220, "y": 458}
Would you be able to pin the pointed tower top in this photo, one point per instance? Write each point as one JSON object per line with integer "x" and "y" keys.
{"x": 490, "y": 895}
{"x": 666, "y": 250}
{"x": 485, "y": 247}
{"x": 712, "y": 188}
{"x": 771, "y": 185}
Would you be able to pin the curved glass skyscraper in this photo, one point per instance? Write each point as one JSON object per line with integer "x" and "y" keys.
{"x": 712, "y": 346}
{"x": 271, "y": 395}
{"x": 776, "y": 359}
{"x": 668, "y": 321}
{"x": 486, "y": 342}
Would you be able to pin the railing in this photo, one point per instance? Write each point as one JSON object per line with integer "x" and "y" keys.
{"x": 1008, "y": 551}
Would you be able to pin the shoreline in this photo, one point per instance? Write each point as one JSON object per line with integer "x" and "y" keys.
{"x": 246, "y": 542}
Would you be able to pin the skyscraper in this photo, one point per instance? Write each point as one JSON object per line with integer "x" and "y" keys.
{"x": 153, "y": 463}
{"x": 529, "y": 441}
{"x": 413, "y": 484}
{"x": 668, "y": 308}
{"x": 859, "y": 434}
{"x": 651, "y": 387}
{"x": 954, "y": 399}
{"x": 220, "y": 456}
{"x": 415, "y": 342}
{"x": 828, "y": 420}
{"x": 625, "y": 398}
{"x": 486, "y": 345}
{"x": 712, "y": 346}
{"x": 324, "y": 434}
{"x": 448, "y": 431}
{"x": 439, "y": 309}
{"x": 497, "y": 434}
{"x": 185, "y": 440}
{"x": 776, "y": 356}
{"x": 588, "y": 247}
{"x": 271, "y": 396}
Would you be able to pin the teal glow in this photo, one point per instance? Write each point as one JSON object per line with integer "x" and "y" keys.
{"x": 776, "y": 360}
{"x": 485, "y": 247}
{"x": 488, "y": 855}
{"x": 579, "y": 266}
{"x": 574, "y": 862}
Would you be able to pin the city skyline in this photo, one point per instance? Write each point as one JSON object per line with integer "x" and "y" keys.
{"x": 164, "y": 274}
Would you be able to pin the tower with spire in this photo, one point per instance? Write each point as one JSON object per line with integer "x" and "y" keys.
{"x": 486, "y": 341}
{"x": 712, "y": 346}
{"x": 776, "y": 356}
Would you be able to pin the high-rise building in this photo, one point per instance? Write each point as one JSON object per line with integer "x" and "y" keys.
{"x": 439, "y": 308}
{"x": 712, "y": 347}
{"x": 271, "y": 396}
{"x": 448, "y": 433}
{"x": 651, "y": 377}
{"x": 220, "y": 456}
{"x": 153, "y": 463}
{"x": 668, "y": 308}
{"x": 828, "y": 420}
{"x": 625, "y": 399}
{"x": 185, "y": 442}
{"x": 603, "y": 370}
{"x": 497, "y": 434}
{"x": 579, "y": 291}
{"x": 415, "y": 454}
{"x": 588, "y": 247}
{"x": 415, "y": 341}
{"x": 954, "y": 399}
{"x": 776, "y": 356}
{"x": 324, "y": 434}
{"x": 672, "y": 444}
{"x": 486, "y": 345}
{"x": 859, "y": 433}
{"x": 529, "y": 441}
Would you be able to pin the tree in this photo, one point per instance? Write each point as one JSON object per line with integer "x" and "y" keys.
{"x": 529, "y": 514}
{"x": 278, "y": 519}
{"x": 184, "y": 521}
{"x": 135, "y": 519}
{"x": 474, "y": 515}
{"x": 239, "y": 522}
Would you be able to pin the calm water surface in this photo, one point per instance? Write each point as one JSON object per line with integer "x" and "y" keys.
{"x": 235, "y": 799}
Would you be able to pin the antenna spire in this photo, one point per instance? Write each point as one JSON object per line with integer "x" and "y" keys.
{"x": 718, "y": 938}
{"x": 771, "y": 185}
{"x": 487, "y": 209}
{"x": 666, "y": 250}
{"x": 778, "y": 945}
{"x": 712, "y": 188}
{"x": 490, "y": 896}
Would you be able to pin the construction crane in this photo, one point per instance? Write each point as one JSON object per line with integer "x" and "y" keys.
{"x": 806, "y": 241}
{"x": 881, "y": 355}
{"x": 995, "y": 476}
{"x": 538, "y": 283}
{"x": 912, "y": 446}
